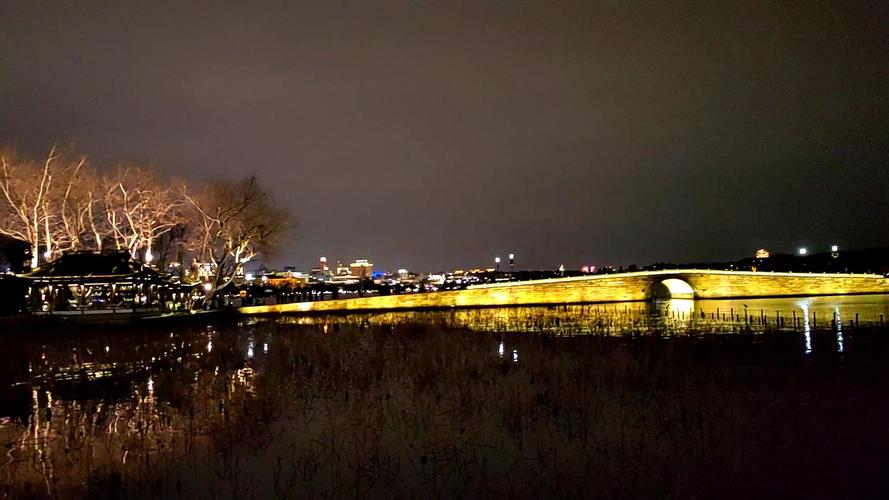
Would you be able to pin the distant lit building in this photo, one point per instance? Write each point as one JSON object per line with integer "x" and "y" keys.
{"x": 762, "y": 253}
{"x": 320, "y": 274}
{"x": 291, "y": 279}
{"x": 342, "y": 269}
{"x": 361, "y": 269}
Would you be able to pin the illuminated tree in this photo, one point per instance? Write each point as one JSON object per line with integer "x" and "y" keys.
{"x": 60, "y": 204}
{"x": 139, "y": 208}
{"x": 96, "y": 228}
{"x": 40, "y": 202}
{"x": 232, "y": 223}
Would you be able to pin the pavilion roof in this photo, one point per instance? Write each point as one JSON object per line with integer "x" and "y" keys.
{"x": 105, "y": 265}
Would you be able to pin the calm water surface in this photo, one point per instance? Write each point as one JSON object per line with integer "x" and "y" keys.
{"x": 783, "y": 397}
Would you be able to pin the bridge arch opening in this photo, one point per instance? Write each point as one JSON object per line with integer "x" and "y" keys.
{"x": 672, "y": 288}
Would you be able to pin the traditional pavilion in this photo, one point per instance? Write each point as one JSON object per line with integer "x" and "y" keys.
{"x": 107, "y": 282}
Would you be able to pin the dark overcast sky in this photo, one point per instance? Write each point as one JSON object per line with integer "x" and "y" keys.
{"x": 434, "y": 135}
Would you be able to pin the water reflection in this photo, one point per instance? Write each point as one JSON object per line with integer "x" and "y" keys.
{"x": 130, "y": 400}
{"x": 667, "y": 317}
{"x": 134, "y": 402}
{"x": 838, "y": 324}
{"x": 681, "y": 309}
{"x": 807, "y": 329}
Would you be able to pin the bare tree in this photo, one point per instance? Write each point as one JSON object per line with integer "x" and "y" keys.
{"x": 60, "y": 204}
{"x": 232, "y": 223}
{"x": 95, "y": 226}
{"x": 40, "y": 202}
{"x": 139, "y": 208}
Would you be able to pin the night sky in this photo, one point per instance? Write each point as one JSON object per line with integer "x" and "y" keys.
{"x": 436, "y": 135}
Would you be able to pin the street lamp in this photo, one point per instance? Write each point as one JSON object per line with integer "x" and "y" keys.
{"x": 834, "y": 248}
{"x": 497, "y": 262}
{"x": 803, "y": 251}
{"x": 511, "y": 262}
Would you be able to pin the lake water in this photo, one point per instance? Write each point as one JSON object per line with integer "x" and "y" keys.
{"x": 778, "y": 397}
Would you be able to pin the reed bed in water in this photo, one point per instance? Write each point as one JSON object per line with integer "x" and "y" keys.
{"x": 407, "y": 410}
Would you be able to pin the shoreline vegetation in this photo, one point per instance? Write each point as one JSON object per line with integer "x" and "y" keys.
{"x": 412, "y": 405}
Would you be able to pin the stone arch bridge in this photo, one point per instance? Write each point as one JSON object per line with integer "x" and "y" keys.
{"x": 636, "y": 286}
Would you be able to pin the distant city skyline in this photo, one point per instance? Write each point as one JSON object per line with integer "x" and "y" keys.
{"x": 322, "y": 262}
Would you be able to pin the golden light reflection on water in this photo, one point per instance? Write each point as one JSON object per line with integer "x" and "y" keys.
{"x": 139, "y": 407}
{"x": 138, "y": 403}
{"x": 667, "y": 317}
{"x": 75, "y": 424}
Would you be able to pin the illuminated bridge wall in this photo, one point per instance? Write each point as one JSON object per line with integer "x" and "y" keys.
{"x": 700, "y": 284}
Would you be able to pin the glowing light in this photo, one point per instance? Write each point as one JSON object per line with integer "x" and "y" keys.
{"x": 839, "y": 325}
{"x": 679, "y": 289}
{"x": 834, "y": 248}
{"x": 512, "y": 256}
{"x": 148, "y": 255}
{"x": 265, "y": 279}
{"x": 209, "y": 346}
{"x": 265, "y": 348}
{"x": 515, "y": 355}
{"x": 47, "y": 254}
{"x": 501, "y": 350}
{"x": 497, "y": 260}
{"x": 207, "y": 287}
{"x": 249, "y": 277}
{"x": 807, "y": 328}
{"x": 682, "y": 308}
{"x": 803, "y": 250}
{"x": 585, "y": 269}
